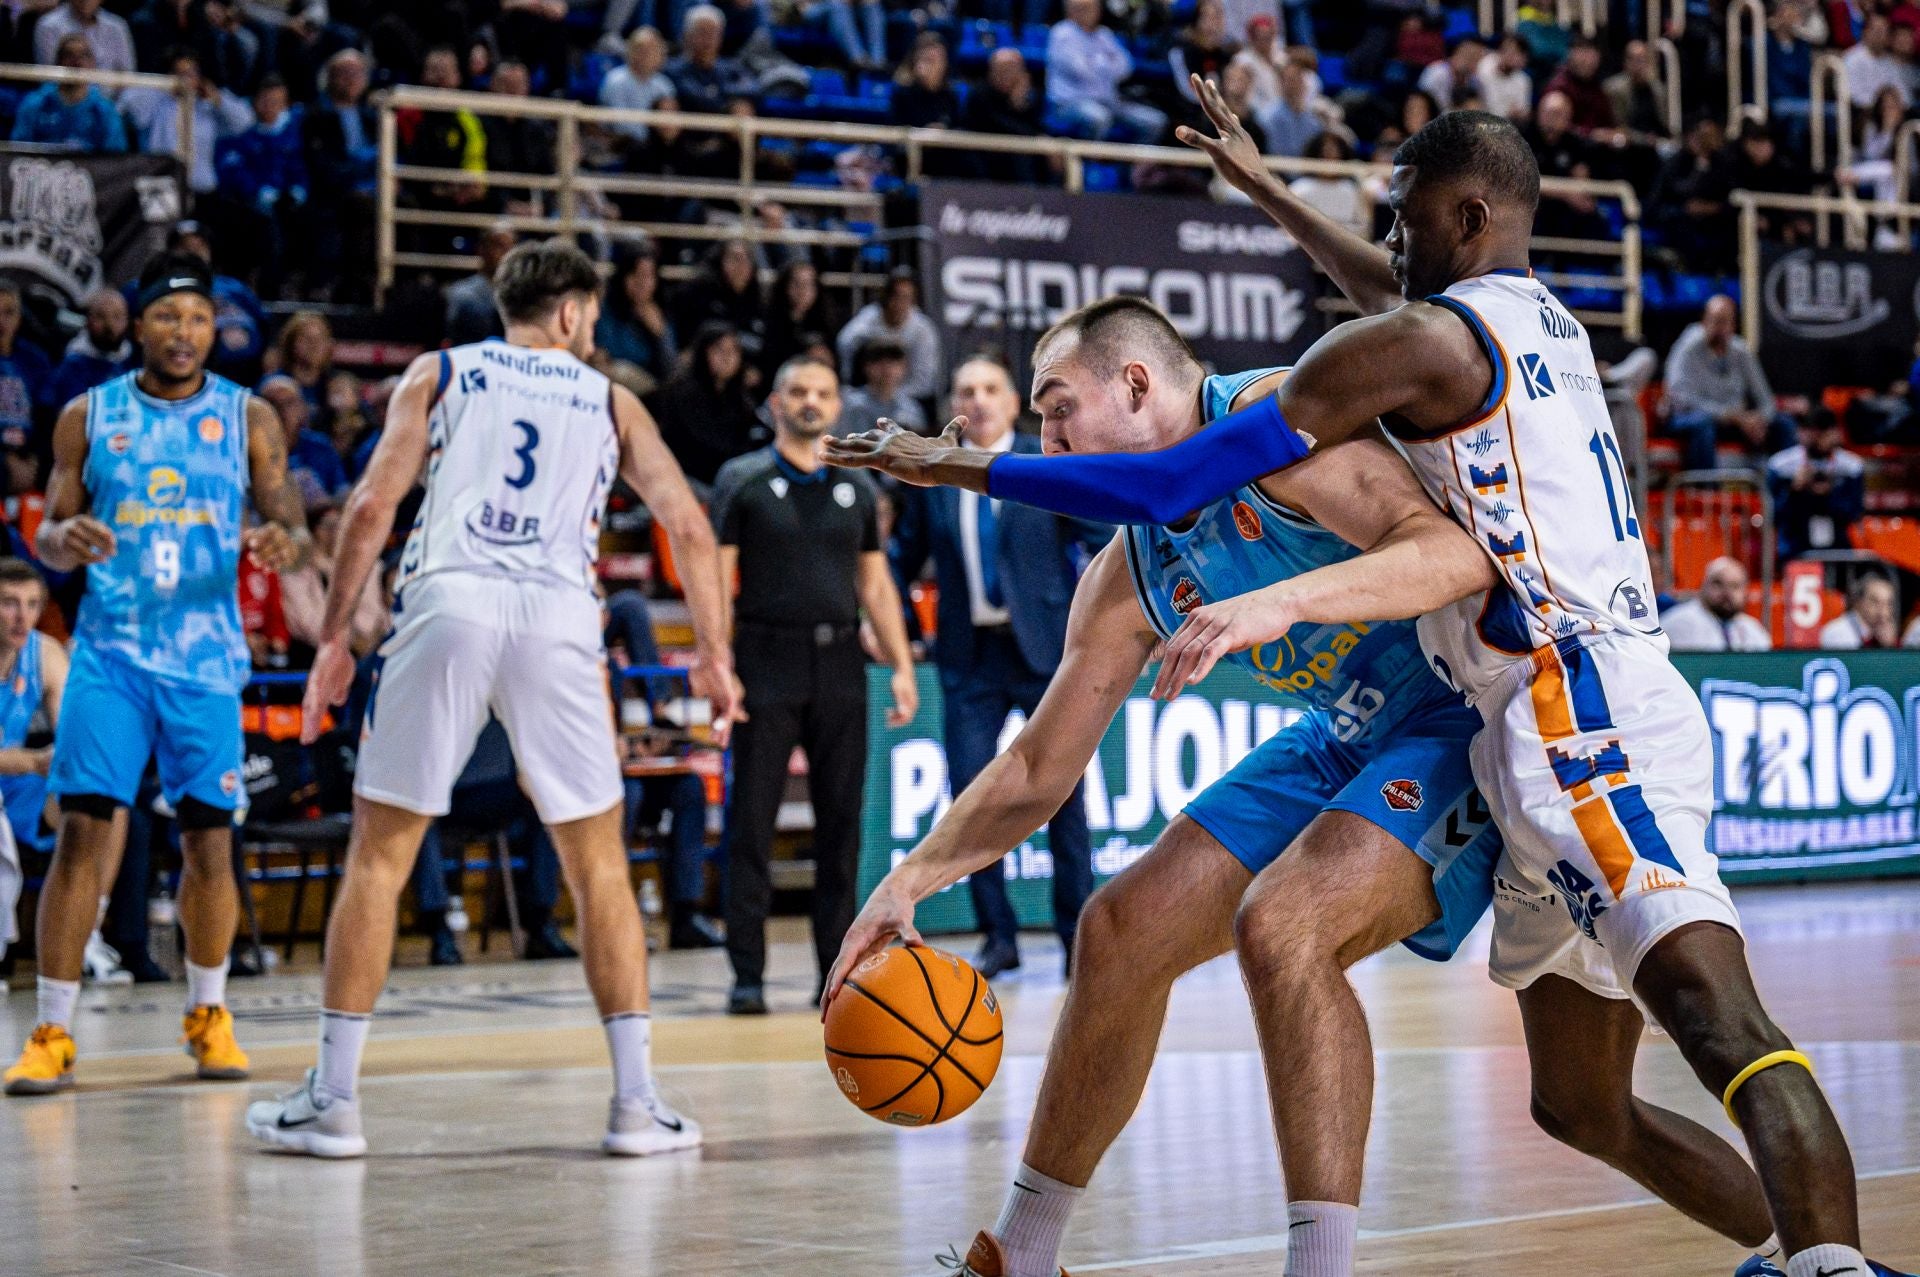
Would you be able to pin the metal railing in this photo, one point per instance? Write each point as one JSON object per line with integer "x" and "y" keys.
{"x": 1665, "y": 18}
{"x": 570, "y": 182}
{"x": 1739, "y": 511}
{"x": 1855, "y": 216}
{"x": 116, "y": 80}
{"x": 1903, "y": 142}
{"x": 1829, "y": 69}
{"x": 1668, "y": 55}
{"x": 1746, "y": 43}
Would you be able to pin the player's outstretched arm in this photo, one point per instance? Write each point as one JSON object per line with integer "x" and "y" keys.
{"x": 1419, "y": 362}
{"x": 1357, "y": 266}
{"x": 1416, "y": 560}
{"x": 1108, "y": 641}
{"x": 650, "y": 469}
{"x": 69, "y": 537}
{"x": 366, "y": 521}
{"x": 281, "y": 543}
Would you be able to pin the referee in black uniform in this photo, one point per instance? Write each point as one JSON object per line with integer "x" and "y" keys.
{"x": 806, "y": 540}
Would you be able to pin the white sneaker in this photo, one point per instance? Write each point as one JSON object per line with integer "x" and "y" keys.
{"x": 641, "y": 1128}
{"x": 301, "y": 1121}
{"x": 101, "y": 963}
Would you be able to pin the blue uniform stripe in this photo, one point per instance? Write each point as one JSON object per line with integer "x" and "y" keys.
{"x": 446, "y": 379}
{"x": 1643, "y": 831}
{"x": 1590, "y": 711}
{"x": 1498, "y": 388}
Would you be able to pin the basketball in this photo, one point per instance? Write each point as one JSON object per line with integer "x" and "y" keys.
{"x": 914, "y": 1036}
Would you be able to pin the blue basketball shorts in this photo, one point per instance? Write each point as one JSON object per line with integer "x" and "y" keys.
{"x": 115, "y": 716}
{"x": 1414, "y": 780}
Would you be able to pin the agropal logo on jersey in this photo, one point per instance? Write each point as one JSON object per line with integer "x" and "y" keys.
{"x": 1823, "y": 300}
{"x": 165, "y": 503}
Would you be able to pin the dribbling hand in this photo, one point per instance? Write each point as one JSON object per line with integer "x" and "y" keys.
{"x": 889, "y": 913}
{"x": 327, "y": 685}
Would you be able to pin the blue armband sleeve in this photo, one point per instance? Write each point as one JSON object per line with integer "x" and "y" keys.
{"x": 1154, "y": 487}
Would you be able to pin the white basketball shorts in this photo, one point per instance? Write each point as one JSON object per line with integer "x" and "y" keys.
{"x": 466, "y": 645}
{"x": 1598, "y": 766}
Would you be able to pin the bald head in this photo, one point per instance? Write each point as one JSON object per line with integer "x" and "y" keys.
{"x": 1718, "y": 320}
{"x": 1723, "y": 590}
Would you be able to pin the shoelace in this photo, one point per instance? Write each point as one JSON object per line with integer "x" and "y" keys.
{"x": 954, "y": 1263}
{"x": 43, "y": 1035}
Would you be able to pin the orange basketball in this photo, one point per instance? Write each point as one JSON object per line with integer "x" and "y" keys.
{"x": 914, "y": 1036}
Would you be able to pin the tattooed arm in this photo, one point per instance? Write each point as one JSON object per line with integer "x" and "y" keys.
{"x": 281, "y": 542}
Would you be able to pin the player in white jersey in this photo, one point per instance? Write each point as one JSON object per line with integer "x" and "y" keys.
{"x": 517, "y": 442}
{"x": 1596, "y": 756}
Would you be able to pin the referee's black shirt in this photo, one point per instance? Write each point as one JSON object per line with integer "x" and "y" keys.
{"x": 800, "y": 538}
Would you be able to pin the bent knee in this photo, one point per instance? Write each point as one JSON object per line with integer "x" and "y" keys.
{"x": 1275, "y": 930}
{"x": 1596, "y": 1129}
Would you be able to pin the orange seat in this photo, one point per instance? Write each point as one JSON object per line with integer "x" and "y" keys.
{"x": 1892, "y": 537}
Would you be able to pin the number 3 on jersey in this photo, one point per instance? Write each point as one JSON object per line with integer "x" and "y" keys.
{"x": 524, "y": 454}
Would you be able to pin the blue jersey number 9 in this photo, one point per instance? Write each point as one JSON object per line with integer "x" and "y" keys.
{"x": 166, "y": 564}
{"x": 525, "y": 454}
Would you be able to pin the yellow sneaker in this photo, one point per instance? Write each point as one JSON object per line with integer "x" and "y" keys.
{"x": 45, "y": 1065}
{"x": 208, "y": 1035}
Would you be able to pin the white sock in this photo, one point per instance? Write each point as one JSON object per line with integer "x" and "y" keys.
{"x": 1827, "y": 1261}
{"x": 1032, "y": 1221}
{"x": 56, "y": 1001}
{"x": 206, "y": 986}
{"x": 343, "y": 1035}
{"x": 1768, "y": 1248}
{"x": 1320, "y": 1238}
{"x": 630, "y": 1040}
{"x": 100, "y": 914}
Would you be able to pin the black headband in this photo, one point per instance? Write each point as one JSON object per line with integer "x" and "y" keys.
{"x": 168, "y": 284}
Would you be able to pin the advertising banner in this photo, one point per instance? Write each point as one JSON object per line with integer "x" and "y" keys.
{"x": 72, "y": 224}
{"x": 1833, "y": 317}
{"x": 1008, "y": 261}
{"x": 1817, "y": 771}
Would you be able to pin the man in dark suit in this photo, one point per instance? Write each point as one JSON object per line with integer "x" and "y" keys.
{"x": 1006, "y": 574}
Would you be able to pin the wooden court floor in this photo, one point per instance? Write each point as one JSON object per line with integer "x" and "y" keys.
{"x": 487, "y": 1089}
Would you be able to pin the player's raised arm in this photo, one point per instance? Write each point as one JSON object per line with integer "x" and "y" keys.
{"x": 1416, "y": 560}
{"x": 281, "y": 542}
{"x": 1358, "y": 267}
{"x": 1108, "y": 641}
{"x": 366, "y": 521}
{"x": 1419, "y": 362}
{"x": 70, "y": 537}
{"x": 650, "y": 469}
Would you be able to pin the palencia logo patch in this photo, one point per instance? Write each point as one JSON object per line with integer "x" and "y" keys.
{"x": 1186, "y": 596}
{"x": 1403, "y": 795}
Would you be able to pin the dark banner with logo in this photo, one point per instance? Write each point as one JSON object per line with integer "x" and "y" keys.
{"x": 1008, "y": 261}
{"x": 72, "y": 224}
{"x": 1833, "y": 317}
{"x": 1817, "y": 772}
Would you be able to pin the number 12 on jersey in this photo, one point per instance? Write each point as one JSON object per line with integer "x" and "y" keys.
{"x": 1603, "y": 447}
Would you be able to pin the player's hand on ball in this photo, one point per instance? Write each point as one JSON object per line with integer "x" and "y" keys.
{"x": 889, "y": 913}
{"x": 1233, "y": 152}
{"x": 87, "y": 539}
{"x": 327, "y": 685}
{"x": 906, "y": 697}
{"x": 1214, "y": 630}
{"x": 906, "y": 456}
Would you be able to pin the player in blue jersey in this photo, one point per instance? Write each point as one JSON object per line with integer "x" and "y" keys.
{"x": 151, "y": 475}
{"x": 1369, "y": 795}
